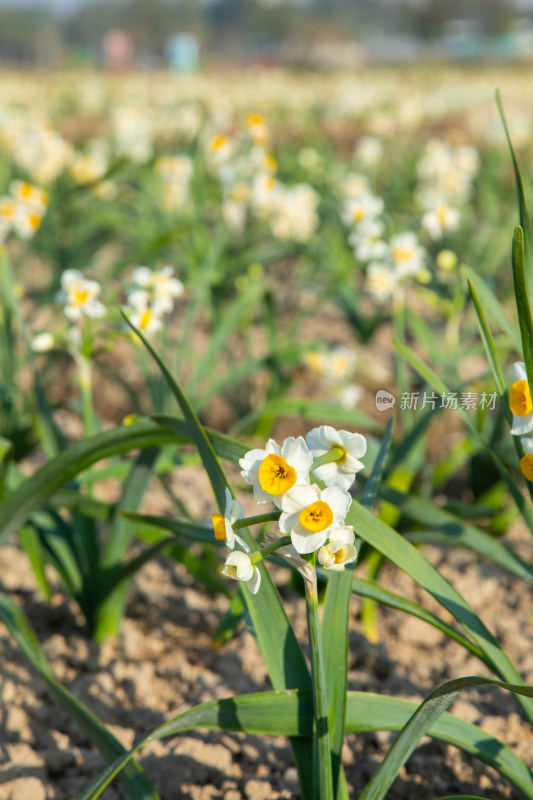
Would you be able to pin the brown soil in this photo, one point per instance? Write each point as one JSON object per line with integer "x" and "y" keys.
{"x": 165, "y": 662}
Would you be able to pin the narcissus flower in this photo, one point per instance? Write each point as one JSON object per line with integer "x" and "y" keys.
{"x": 80, "y": 296}
{"x": 275, "y": 470}
{"x": 520, "y": 401}
{"x": 339, "y": 551}
{"x": 223, "y": 523}
{"x": 239, "y": 566}
{"x": 336, "y": 473}
{"x": 309, "y": 515}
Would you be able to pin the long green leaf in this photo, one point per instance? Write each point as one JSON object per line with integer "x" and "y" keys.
{"x": 373, "y": 590}
{"x": 420, "y": 723}
{"x": 488, "y": 341}
{"x": 134, "y": 779}
{"x": 522, "y": 207}
{"x": 523, "y": 305}
{"x": 438, "y": 384}
{"x": 311, "y": 409}
{"x": 203, "y": 443}
{"x": 491, "y": 305}
{"x": 111, "y": 605}
{"x": 410, "y": 560}
{"x": 456, "y": 531}
{"x": 34, "y": 492}
{"x": 335, "y": 621}
{"x": 290, "y": 713}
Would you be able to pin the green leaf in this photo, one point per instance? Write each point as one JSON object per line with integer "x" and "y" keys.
{"x": 412, "y": 562}
{"x": 419, "y": 724}
{"x": 488, "y": 341}
{"x": 523, "y": 305}
{"x": 195, "y": 531}
{"x": 451, "y": 530}
{"x": 438, "y": 384}
{"x": 225, "y": 446}
{"x": 111, "y": 606}
{"x": 335, "y": 621}
{"x": 205, "y": 447}
{"x": 311, "y": 409}
{"x": 229, "y": 320}
{"x": 522, "y": 207}
{"x": 290, "y": 713}
{"x": 34, "y": 492}
{"x": 371, "y": 589}
{"x": 490, "y": 304}
{"x": 134, "y": 779}
{"x": 29, "y": 539}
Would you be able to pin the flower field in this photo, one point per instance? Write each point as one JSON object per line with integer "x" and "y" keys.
{"x": 266, "y": 435}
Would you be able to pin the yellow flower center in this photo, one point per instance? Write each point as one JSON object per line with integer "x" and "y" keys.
{"x": 358, "y": 213}
{"x": 442, "y": 214}
{"x": 520, "y": 399}
{"x": 26, "y": 190}
{"x": 316, "y": 517}
{"x": 34, "y": 220}
{"x": 402, "y": 253}
{"x": 144, "y": 321}
{"x": 275, "y": 475}
{"x": 256, "y": 119}
{"x": 218, "y": 142}
{"x": 219, "y": 526}
{"x": 80, "y": 296}
{"x": 338, "y": 556}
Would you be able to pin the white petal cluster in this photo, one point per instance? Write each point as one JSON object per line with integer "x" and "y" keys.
{"x": 313, "y": 517}
{"x": 37, "y": 148}
{"x": 295, "y": 453}
{"x": 238, "y": 564}
{"x": 90, "y": 166}
{"x": 296, "y": 501}
{"x": 133, "y": 133}
{"x": 22, "y": 210}
{"x": 176, "y": 173}
{"x": 337, "y": 473}
{"x": 336, "y": 370}
{"x": 80, "y": 296}
{"x": 446, "y": 174}
{"x": 153, "y": 297}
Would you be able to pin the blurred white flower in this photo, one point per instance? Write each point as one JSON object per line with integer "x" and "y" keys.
{"x": 80, "y": 296}
{"x": 240, "y": 567}
{"x": 336, "y": 473}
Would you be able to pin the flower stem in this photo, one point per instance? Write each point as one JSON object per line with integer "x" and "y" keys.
{"x": 283, "y": 541}
{"x": 257, "y": 520}
{"x": 335, "y": 454}
{"x": 322, "y": 745}
{"x": 85, "y": 378}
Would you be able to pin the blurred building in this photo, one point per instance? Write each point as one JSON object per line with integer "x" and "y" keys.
{"x": 117, "y": 50}
{"x": 182, "y": 52}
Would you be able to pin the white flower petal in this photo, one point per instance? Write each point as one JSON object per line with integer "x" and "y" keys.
{"x": 306, "y": 542}
{"x": 519, "y": 371}
{"x": 338, "y": 500}
{"x": 255, "y": 581}
{"x": 299, "y": 497}
{"x": 296, "y": 453}
{"x": 527, "y": 444}
{"x": 353, "y": 443}
{"x": 321, "y": 440}
{"x": 343, "y": 534}
{"x": 522, "y": 425}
